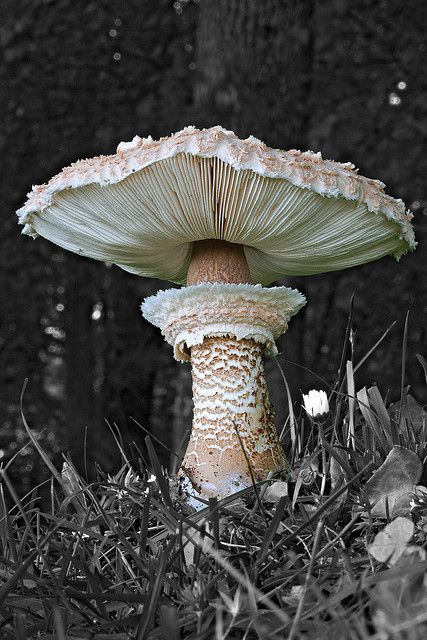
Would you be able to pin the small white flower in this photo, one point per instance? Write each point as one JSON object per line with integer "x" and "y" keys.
{"x": 316, "y": 403}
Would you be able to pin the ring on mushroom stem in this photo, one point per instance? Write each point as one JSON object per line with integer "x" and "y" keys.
{"x": 219, "y": 213}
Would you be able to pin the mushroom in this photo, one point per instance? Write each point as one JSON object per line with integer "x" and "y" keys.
{"x": 223, "y": 216}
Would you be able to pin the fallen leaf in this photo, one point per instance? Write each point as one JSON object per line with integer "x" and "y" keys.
{"x": 394, "y": 483}
{"x": 390, "y": 543}
{"x": 400, "y": 600}
{"x": 274, "y": 492}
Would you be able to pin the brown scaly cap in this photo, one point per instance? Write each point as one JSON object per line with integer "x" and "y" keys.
{"x": 142, "y": 208}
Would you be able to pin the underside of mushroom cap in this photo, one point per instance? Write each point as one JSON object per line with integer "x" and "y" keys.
{"x": 142, "y": 208}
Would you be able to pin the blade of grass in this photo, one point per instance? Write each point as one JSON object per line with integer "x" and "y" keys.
{"x": 19, "y": 626}
{"x": 294, "y": 443}
{"x": 143, "y": 531}
{"x": 272, "y": 529}
{"x": 372, "y": 349}
{"x": 157, "y": 469}
{"x": 346, "y": 344}
{"x": 8, "y": 535}
{"x": 423, "y": 363}
{"x": 41, "y": 452}
{"x": 150, "y": 605}
{"x": 251, "y": 472}
{"x": 379, "y": 408}
{"x": 153, "y": 437}
{"x": 340, "y": 459}
{"x": 214, "y": 520}
{"x": 403, "y": 367}
{"x": 59, "y": 625}
{"x": 351, "y": 404}
{"x": 300, "y": 606}
{"x": 384, "y": 439}
{"x": 355, "y": 368}
{"x": 11, "y": 582}
{"x": 114, "y": 430}
{"x": 29, "y": 529}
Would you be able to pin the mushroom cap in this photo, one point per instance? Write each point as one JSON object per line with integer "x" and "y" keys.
{"x": 143, "y": 207}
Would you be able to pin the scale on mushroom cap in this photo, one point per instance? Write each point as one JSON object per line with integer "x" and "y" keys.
{"x": 223, "y": 216}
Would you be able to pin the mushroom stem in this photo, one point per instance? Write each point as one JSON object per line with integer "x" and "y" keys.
{"x": 224, "y": 329}
{"x": 218, "y": 261}
{"x": 234, "y": 440}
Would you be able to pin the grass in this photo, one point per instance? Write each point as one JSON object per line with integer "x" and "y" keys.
{"x": 126, "y": 558}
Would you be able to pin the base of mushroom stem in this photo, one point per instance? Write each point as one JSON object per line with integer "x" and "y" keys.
{"x": 225, "y": 475}
{"x": 197, "y": 499}
{"x": 269, "y": 492}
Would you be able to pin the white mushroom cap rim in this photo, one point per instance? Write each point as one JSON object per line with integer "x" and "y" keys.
{"x": 142, "y": 208}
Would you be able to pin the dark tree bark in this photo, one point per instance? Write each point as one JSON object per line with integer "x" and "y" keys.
{"x": 254, "y": 68}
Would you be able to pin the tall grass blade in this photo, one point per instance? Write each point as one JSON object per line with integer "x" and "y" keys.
{"x": 346, "y": 349}
{"x": 60, "y": 633}
{"x": 372, "y": 349}
{"x": 403, "y": 366}
{"x": 19, "y": 626}
{"x": 423, "y": 363}
{"x": 300, "y": 606}
{"x": 41, "y": 452}
{"x": 272, "y": 529}
{"x": 149, "y": 607}
{"x": 351, "y": 441}
{"x": 157, "y": 470}
{"x": 294, "y": 439}
{"x": 384, "y": 440}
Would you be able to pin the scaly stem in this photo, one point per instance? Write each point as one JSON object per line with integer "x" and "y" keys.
{"x": 230, "y": 398}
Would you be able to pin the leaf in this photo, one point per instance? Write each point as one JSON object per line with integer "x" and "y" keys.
{"x": 384, "y": 441}
{"x": 390, "y": 543}
{"x": 337, "y": 480}
{"x": 377, "y": 404}
{"x": 276, "y": 491}
{"x": 73, "y": 489}
{"x": 391, "y": 487}
{"x": 401, "y": 599}
{"x": 411, "y": 410}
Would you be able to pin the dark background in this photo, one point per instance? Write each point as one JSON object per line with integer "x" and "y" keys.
{"x": 77, "y": 77}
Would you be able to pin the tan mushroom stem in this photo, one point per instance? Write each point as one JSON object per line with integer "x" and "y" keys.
{"x": 233, "y": 420}
{"x": 224, "y": 328}
{"x": 218, "y": 261}
{"x": 234, "y": 439}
